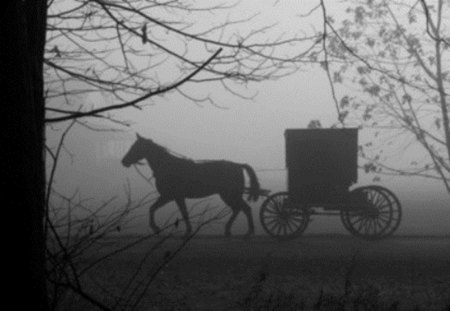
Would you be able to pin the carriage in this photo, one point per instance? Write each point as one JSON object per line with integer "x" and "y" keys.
{"x": 321, "y": 169}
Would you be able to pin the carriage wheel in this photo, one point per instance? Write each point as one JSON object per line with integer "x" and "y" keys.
{"x": 377, "y": 215}
{"x": 281, "y": 219}
{"x": 396, "y": 211}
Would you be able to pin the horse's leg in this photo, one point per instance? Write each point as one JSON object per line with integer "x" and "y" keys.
{"x": 248, "y": 212}
{"x": 236, "y": 203}
{"x": 183, "y": 209}
{"x": 155, "y": 206}
{"x": 230, "y": 222}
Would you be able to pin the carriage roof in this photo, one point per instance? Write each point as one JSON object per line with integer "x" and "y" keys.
{"x": 321, "y": 156}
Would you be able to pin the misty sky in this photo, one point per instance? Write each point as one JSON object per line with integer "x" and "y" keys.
{"x": 246, "y": 131}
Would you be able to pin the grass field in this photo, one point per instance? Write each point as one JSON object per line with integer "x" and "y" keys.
{"x": 310, "y": 273}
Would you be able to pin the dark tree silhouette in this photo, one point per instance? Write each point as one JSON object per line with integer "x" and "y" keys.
{"x": 22, "y": 140}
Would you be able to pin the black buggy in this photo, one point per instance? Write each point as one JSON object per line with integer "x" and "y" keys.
{"x": 321, "y": 168}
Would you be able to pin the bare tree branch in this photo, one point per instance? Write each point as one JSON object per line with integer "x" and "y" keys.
{"x": 75, "y": 115}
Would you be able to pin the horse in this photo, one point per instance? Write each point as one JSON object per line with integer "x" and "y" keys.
{"x": 178, "y": 178}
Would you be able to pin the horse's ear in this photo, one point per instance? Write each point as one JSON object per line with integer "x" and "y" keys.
{"x": 138, "y": 136}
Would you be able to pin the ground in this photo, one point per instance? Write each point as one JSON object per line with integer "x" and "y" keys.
{"x": 215, "y": 273}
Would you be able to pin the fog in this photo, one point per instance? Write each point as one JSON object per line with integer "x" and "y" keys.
{"x": 105, "y": 253}
{"x": 239, "y": 130}
{"x": 244, "y": 131}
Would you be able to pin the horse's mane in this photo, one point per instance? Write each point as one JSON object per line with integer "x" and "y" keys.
{"x": 171, "y": 154}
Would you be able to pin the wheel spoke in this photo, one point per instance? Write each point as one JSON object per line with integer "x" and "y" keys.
{"x": 384, "y": 208}
{"x": 358, "y": 220}
{"x": 385, "y": 213}
{"x": 272, "y": 210}
{"x": 297, "y": 220}
{"x": 284, "y": 225}
{"x": 379, "y": 216}
{"x": 275, "y": 220}
{"x": 361, "y": 224}
{"x": 276, "y": 207}
{"x": 383, "y": 220}
{"x": 271, "y": 214}
{"x": 280, "y": 219}
{"x": 295, "y": 223}
{"x": 380, "y": 225}
{"x": 288, "y": 224}
{"x": 372, "y": 227}
{"x": 379, "y": 199}
{"x": 278, "y": 228}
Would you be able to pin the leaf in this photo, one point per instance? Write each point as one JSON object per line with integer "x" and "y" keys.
{"x": 412, "y": 18}
{"x": 373, "y": 90}
{"x": 314, "y": 124}
{"x": 357, "y": 34}
{"x": 313, "y": 57}
{"x": 337, "y": 78}
{"x": 370, "y": 42}
{"x": 362, "y": 70}
{"x": 144, "y": 34}
{"x": 437, "y": 123}
{"x": 407, "y": 98}
{"x": 367, "y": 115}
{"x": 56, "y": 51}
{"x": 363, "y": 82}
{"x": 324, "y": 65}
{"x": 360, "y": 13}
{"x": 369, "y": 167}
{"x": 345, "y": 101}
{"x": 342, "y": 116}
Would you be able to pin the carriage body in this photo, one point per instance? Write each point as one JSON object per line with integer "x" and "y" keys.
{"x": 322, "y": 166}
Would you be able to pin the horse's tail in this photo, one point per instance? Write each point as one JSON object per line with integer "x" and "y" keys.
{"x": 254, "y": 190}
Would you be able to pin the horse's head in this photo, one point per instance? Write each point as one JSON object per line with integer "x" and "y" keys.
{"x": 137, "y": 151}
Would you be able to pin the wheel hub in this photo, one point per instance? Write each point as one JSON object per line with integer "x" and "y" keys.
{"x": 372, "y": 212}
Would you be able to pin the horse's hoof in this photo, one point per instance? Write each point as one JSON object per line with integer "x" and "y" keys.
{"x": 227, "y": 234}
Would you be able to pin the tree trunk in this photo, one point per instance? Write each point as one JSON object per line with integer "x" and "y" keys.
{"x": 22, "y": 141}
